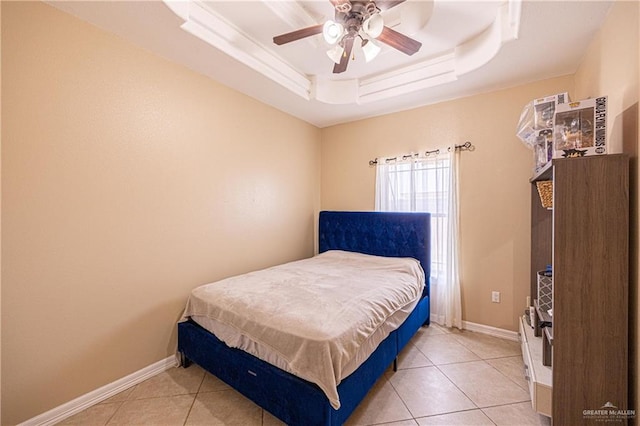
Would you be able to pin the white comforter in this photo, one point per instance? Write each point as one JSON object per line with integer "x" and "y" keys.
{"x": 315, "y": 314}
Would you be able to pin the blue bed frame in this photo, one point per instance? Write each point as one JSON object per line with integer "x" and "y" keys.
{"x": 290, "y": 398}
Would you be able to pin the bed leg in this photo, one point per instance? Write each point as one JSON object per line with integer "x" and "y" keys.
{"x": 395, "y": 364}
{"x": 184, "y": 361}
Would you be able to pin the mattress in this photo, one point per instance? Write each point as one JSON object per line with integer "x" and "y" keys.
{"x": 317, "y": 318}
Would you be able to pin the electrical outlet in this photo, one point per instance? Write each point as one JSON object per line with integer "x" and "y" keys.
{"x": 495, "y": 296}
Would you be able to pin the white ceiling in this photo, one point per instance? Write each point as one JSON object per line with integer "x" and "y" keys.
{"x": 468, "y": 47}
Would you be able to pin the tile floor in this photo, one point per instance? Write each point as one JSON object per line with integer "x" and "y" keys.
{"x": 444, "y": 378}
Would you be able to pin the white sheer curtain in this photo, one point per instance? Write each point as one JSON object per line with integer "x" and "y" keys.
{"x": 430, "y": 184}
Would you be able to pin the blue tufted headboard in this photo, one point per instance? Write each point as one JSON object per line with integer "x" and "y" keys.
{"x": 391, "y": 234}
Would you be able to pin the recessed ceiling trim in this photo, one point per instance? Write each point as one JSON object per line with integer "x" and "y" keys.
{"x": 414, "y": 16}
{"x": 204, "y": 22}
{"x": 291, "y": 12}
{"x": 514, "y": 11}
{"x": 294, "y": 15}
{"x": 212, "y": 28}
{"x": 416, "y": 77}
{"x": 446, "y": 68}
{"x": 429, "y": 68}
{"x": 335, "y": 92}
{"x": 481, "y": 49}
{"x": 568, "y": 29}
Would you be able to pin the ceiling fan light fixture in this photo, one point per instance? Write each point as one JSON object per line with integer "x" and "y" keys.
{"x": 370, "y": 50}
{"x": 373, "y": 25}
{"x": 355, "y": 19}
{"x": 335, "y": 53}
{"x": 332, "y": 31}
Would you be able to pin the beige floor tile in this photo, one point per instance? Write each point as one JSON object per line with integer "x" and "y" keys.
{"x": 516, "y": 414}
{"x": 226, "y": 407}
{"x": 175, "y": 381}
{"x": 211, "y": 383}
{"x": 512, "y": 367}
{"x": 483, "y": 384}
{"x": 467, "y": 418}
{"x": 426, "y": 392}
{"x": 93, "y": 416}
{"x": 434, "y": 328}
{"x": 381, "y": 405}
{"x": 411, "y": 357}
{"x": 488, "y": 346}
{"x": 444, "y": 349}
{"x": 165, "y": 411}
{"x": 440, "y": 394}
{"x": 120, "y": 397}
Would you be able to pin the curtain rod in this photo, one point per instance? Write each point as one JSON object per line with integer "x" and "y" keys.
{"x": 467, "y": 146}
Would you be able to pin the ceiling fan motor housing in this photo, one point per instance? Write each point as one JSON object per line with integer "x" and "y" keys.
{"x": 358, "y": 11}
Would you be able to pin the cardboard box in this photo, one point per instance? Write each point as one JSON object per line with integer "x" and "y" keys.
{"x": 580, "y": 128}
{"x": 538, "y": 115}
{"x": 545, "y": 108}
{"x": 543, "y": 148}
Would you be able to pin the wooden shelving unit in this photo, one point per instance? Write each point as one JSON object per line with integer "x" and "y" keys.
{"x": 585, "y": 239}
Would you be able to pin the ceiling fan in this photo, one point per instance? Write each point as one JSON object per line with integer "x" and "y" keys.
{"x": 355, "y": 19}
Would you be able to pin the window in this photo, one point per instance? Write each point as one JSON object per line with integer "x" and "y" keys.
{"x": 429, "y": 184}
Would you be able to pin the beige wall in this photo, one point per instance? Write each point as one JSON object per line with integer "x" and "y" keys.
{"x": 610, "y": 67}
{"x": 494, "y": 185}
{"x": 127, "y": 180}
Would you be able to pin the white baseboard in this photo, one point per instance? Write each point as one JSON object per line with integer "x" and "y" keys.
{"x": 492, "y": 331}
{"x": 85, "y": 401}
{"x": 481, "y": 328}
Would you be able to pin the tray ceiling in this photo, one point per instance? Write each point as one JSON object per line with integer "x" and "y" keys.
{"x": 468, "y": 47}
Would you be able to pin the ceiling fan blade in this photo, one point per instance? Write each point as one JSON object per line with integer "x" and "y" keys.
{"x": 342, "y": 66}
{"x": 388, "y": 4}
{"x": 399, "y": 41}
{"x": 298, "y": 34}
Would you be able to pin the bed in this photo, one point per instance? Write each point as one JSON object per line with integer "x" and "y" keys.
{"x": 287, "y": 396}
